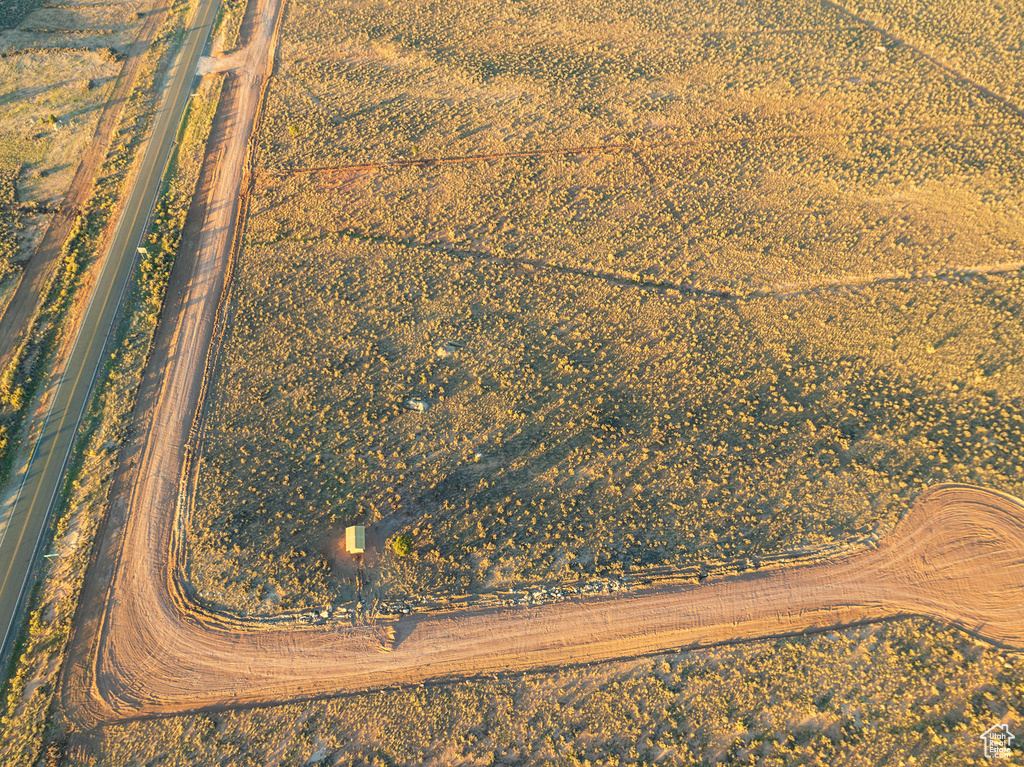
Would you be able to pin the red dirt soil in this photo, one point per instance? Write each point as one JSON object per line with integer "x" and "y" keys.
{"x": 142, "y": 646}
{"x": 958, "y": 557}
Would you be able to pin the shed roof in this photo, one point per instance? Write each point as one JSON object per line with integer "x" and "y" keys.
{"x": 355, "y": 539}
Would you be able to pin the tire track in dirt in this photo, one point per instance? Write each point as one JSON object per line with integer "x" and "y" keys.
{"x": 943, "y": 274}
{"x": 458, "y": 160}
{"x": 780, "y": 291}
{"x": 641, "y": 155}
{"x": 39, "y": 269}
{"x": 639, "y": 150}
{"x": 958, "y": 556}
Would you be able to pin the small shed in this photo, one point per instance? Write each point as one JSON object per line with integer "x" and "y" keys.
{"x": 355, "y": 539}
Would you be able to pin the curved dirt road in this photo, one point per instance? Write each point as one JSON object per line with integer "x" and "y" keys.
{"x": 957, "y": 556}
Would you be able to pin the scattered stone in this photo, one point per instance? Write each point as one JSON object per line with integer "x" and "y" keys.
{"x": 447, "y": 348}
{"x": 395, "y": 608}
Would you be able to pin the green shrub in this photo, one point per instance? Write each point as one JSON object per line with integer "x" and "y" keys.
{"x": 402, "y": 544}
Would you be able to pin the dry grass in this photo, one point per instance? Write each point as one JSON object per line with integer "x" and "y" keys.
{"x": 56, "y": 66}
{"x": 617, "y": 428}
{"x": 976, "y": 38}
{"x": 854, "y": 154}
{"x": 38, "y": 157}
{"x": 622, "y": 423}
{"x": 75, "y": 25}
{"x": 900, "y": 693}
{"x": 28, "y": 703}
{"x": 607, "y": 411}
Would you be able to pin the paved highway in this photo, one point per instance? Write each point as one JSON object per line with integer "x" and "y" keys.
{"x": 20, "y": 539}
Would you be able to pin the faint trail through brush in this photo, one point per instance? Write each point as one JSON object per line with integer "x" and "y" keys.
{"x": 955, "y": 74}
{"x": 776, "y": 290}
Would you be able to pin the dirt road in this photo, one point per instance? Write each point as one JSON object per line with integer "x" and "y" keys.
{"x": 146, "y": 648}
{"x": 152, "y": 463}
{"x": 958, "y": 556}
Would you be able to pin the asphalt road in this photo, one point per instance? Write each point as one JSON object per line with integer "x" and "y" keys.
{"x": 20, "y": 539}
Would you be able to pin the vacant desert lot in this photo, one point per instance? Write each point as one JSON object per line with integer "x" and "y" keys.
{"x": 38, "y": 156}
{"x": 707, "y": 283}
{"x": 765, "y": 152}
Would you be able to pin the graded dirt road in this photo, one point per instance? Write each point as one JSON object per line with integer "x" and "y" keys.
{"x": 152, "y": 463}
{"x": 144, "y": 647}
{"x": 958, "y": 556}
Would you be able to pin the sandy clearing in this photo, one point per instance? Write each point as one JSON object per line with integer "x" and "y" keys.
{"x": 252, "y": 58}
{"x": 958, "y": 556}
